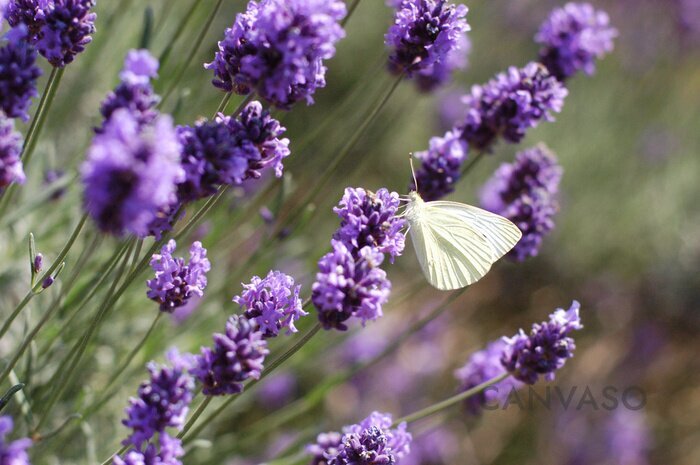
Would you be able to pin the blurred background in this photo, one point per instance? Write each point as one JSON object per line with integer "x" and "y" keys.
{"x": 626, "y": 245}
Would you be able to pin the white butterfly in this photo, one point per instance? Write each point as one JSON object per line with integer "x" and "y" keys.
{"x": 456, "y": 243}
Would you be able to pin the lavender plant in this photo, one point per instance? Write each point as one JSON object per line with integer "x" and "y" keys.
{"x": 148, "y": 173}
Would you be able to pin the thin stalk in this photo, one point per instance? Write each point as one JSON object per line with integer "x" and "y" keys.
{"x": 224, "y": 103}
{"x": 37, "y": 287}
{"x": 433, "y": 409}
{"x": 193, "y": 51}
{"x": 270, "y": 368}
{"x": 351, "y": 10}
{"x": 66, "y": 375}
{"x": 40, "y": 117}
{"x": 472, "y": 163}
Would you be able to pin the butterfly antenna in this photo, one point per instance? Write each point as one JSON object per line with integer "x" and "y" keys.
{"x": 413, "y": 171}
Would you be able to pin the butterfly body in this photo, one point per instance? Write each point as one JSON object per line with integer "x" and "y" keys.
{"x": 457, "y": 244}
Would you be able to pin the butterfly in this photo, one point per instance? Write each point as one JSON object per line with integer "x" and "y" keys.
{"x": 456, "y": 243}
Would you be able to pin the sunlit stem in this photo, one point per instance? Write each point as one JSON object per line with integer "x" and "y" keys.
{"x": 456, "y": 399}
{"x": 182, "y": 25}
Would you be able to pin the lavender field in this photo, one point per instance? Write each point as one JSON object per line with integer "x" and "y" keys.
{"x": 215, "y": 251}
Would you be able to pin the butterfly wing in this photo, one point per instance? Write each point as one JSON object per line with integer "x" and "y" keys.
{"x": 500, "y": 232}
{"x": 452, "y": 253}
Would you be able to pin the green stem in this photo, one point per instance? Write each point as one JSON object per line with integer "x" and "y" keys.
{"x": 193, "y": 51}
{"x": 178, "y": 32}
{"x": 37, "y": 287}
{"x": 433, "y": 409}
{"x": 40, "y": 116}
{"x": 351, "y": 10}
{"x": 223, "y": 104}
{"x": 472, "y": 163}
{"x": 67, "y": 374}
{"x": 268, "y": 370}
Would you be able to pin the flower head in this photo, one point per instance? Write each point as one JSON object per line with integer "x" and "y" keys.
{"x": 438, "y": 74}
{"x": 135, "y": 92}
{"x": 10, "y": 150}
{"x": 60, "y": 29}
{"x": 228, "y": 151}
{"x": 424, "y": 34}
{"x": 131, "y": 173}
{"x": 277, "y": 48}
{"x": 15, "y": 452}
{"x": 237, "y": 356}
{"x": 369, "y": 219}
{"x": 273, "y": 302}
{"x": 481, "y": 367}
{"x": 162, "y": 401}
{"x": 18, "y": 74}
{"x": 371, "y": 442}
{"x": 440, "y": 166}
{"x": 510, "y": 104}
{"x": 545, "y": 349}
{"x": 525, "y": 192}
{"x": 175, "y": 281}
{"x": 168, "y": 453}
{"x": 573, "y": 37}
{"x": 348, "y": 287}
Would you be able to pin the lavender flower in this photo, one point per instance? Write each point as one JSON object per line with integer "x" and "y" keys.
{"x": 170, "y": 452}
{"x": 18, "y": 74}
{"x": 229, "y": 151}
{"x": 346, "y": 287}
{"x": 525, "y": 192}
{"x": 440, "y": 166}
{"x": 237, "y": 356}
{"x": 573, "y": 37}
{"x": 15, "y": 452}
{"x": 277, "y": 47}
{"x": 135, "y": 92}
{"x": 131, "y": 172}
{"x": 10, "y": 150}
{"x": 369, "y": 219}
{"x": 483, "y": 366}
{"x": 510, "y": 104}
{"x": 175, "y": 281}
{"x": 60, "y": 29}
{"x": 370, "y": 442}
{"x": 424, "y": 34}
{"x": 545, "y": 350}
{"x": 162, "y": 402}
{"x": 273, "y": 302}
{"x": 325, "y": 448}
{"x": 438, "y": 74}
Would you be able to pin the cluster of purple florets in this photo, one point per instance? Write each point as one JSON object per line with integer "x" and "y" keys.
{"x": 18, "y": 74}
{"x": 545, "y": 349}
{"x": 427, "y": 40}
{"x": 276, "y": 48}
{"x": 162, "y": 404}
{"x": 525, "y": 357}
{"x": 229, "y": 151}
{"x": 373, "y": 441}
{"x": 60, "y": 29}
{"x": 573, "y": 37}
{"x": 525, "y": 192}
{"x": 236, "y": 356}
{"x": 441, "y": 165}
{"x": 272, "y": 302}
{"x": 14, "y": 452}
{"x": 350, "y": 282}
{"x": 135, "y": 92}
{"x": 175, "y": 281}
